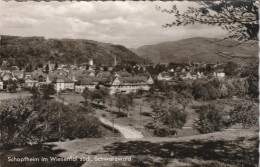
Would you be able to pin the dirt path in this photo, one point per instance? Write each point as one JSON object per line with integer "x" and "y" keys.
{"x": 127, "y": 131}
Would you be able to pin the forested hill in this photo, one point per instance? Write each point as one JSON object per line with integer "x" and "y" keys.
{"x": 38, "y": 49}
{"x": 199, "y": 49}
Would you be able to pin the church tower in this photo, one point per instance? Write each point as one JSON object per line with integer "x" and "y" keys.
{"x": 115, "y": 61}
{"x": 91, "y": 62}
{"x": 189, "y": 60}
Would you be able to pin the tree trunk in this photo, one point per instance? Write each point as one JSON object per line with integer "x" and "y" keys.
{"x": 59, "y": 122}
{"x": 44, "y": 132}
{"x": 128, "y": 112}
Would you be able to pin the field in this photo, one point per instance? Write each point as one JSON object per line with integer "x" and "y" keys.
{"x": 6, "y": 96}
{"x": 136, "y": 120}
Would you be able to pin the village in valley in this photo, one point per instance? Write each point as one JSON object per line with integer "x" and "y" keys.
{"x": 77, "y": 77}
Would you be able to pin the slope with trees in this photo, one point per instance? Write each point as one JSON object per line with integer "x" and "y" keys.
{"x": 40, "y": 50}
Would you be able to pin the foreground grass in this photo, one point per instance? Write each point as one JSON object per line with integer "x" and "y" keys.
{"x": 232, "y": 148}
{"x": 34, "y": 151}
{"x": 208, "y": 151}
{"x": 151, "y": 161}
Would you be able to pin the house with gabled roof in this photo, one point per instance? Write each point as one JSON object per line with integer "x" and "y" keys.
{"x": 81, "y": 84}
{"x": 91, "y": 74}
{"x": 62, "y": 83}
{"x": 164, "y": 76}
{"x": 200, "y": 75}
{"x": 7, "y": 77}
{"x": 171, "y": 70}
{"x": 18, "y": 74}
{"x": 189, "y": 75}
{"x": 7, "y": 70}
{"x": 129, "y": 84}
{"x": 35, "y": 78}
{"x": 90, "y": 83}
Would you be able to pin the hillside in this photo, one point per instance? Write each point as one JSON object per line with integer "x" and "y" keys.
{"x": 39, "y": 49}
{"x": 199, "y": 50}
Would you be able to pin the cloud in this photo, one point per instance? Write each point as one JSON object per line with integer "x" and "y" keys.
{"x": 132, "y": 24}
{"x": 18, "y": 22}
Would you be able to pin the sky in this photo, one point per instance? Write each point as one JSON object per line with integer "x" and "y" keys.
{"x": 132, "y": 24}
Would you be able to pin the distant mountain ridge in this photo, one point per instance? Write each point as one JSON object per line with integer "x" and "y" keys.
{"x": 38, "y": 49}
{"x": 199, "y": 49}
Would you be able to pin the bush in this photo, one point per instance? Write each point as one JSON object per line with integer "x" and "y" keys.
{"x": 81, "y": 127}
{"x": 140, "y": 92}
{"x": 211, "y": 118}
{"x": 163, "y": 132}
{"x": 205, "y": 90}
{"x": 175, "y": 118}
{"x": 246, "y": 114}
{"x": 150, "y": 126}
{"x": 166, "y": 118}
{"x": 121, "y": 114}
{"x": 47, "y": 90}
{"x": 98, "y": 106}
{"x": 195, "y": 107}
{"x": 147, "y": 114}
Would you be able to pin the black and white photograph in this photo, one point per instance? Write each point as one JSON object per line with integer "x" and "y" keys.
{"x": 129, "y": 83}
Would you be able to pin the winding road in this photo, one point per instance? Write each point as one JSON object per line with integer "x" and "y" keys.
{"x": 127, "y": 131}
